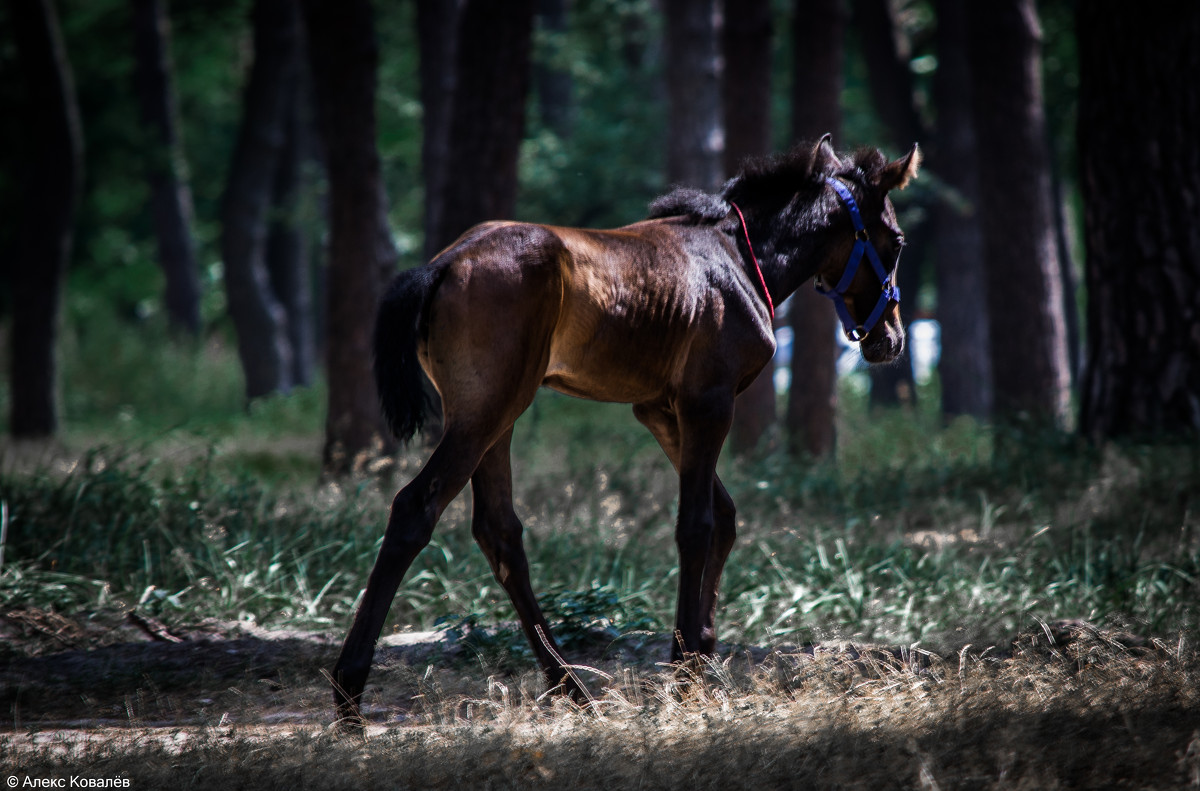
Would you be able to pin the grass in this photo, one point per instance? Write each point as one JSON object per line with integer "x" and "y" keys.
{"x": 187, "y": 509}
{"x": 120, "y": 530}
{"x": 910, "y": 553}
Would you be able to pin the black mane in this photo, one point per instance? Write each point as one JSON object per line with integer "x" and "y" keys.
{"x": 775, "y": 177}
{"x": 762, "y": 179}
{"x": 699, "y": 206}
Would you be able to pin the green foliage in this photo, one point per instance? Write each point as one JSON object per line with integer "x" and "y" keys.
{"x": 115, "y": 252}
{"x": 598, "y": 613}
{"x": 177, "y": 381}
{"x": 609, "y": 168}
{"x": 591, "y": 618}
{"x": 201, "y": 509}
{"x": 132, "y": 383}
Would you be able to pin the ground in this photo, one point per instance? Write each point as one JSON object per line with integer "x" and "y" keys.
{"x": 1063, "y": 705}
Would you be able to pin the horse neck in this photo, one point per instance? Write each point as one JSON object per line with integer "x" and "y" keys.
{"x": 788, "y": 263}
{"x": 790, "y": 243}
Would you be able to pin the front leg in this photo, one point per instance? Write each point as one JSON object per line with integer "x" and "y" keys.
{"x": 703, "y": 425}
{"x": 724, "y": 534}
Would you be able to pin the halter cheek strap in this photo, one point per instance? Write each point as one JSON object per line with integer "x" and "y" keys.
{"x": 862, "y": 246}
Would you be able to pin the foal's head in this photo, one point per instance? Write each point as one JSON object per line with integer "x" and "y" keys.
{"x": 859, "y": 270}
{"x": 834, "y": 215}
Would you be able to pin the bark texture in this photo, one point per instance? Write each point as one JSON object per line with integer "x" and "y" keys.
{"x": 1139, "y": 112}
{"x": 170, "y": 194}
{"x": 437, "y": 36}
{"x": 289, "y": 239}
{"x": 51, "y": 175}
{"x": 965, "y": 366}
{"x": 344, "y": 57}
{"x": 695, "y": 138}
{"x": 818, "y": 33}
{"x": 258, "y": 316}
{"x": 1027, "y": 334}
{"x": 478, "y": 175}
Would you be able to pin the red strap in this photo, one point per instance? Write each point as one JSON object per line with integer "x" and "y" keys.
{"x": 757, "y": 268}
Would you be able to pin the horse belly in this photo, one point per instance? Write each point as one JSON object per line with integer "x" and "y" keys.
{"x": 613, "y": 363}
{"x": 574, "y": 382}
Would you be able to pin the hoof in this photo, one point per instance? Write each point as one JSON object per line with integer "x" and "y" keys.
{"x": 349, "y": 723}
{"x": 347, "y": 715}
{"x": 568, "y": 687}
{"x": 574, "y": 691}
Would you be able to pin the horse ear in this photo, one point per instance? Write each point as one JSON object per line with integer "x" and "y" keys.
{"x": 896, "y": 175}
{"x": 824, "y": 160}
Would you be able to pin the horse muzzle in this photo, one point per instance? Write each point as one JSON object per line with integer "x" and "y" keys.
{"x": 885, "y": 342}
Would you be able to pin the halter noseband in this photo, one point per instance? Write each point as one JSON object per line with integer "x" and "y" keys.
{"x": 862, "y": 244}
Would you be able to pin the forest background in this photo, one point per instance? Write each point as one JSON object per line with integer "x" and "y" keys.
{"x": 203, "y": 200}
{"x": 239, "y": 188}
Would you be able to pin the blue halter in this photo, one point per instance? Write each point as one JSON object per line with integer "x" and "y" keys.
{"x": 862, "y": 244}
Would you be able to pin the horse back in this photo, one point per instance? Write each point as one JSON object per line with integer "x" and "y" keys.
{"x": 624, "y": 315}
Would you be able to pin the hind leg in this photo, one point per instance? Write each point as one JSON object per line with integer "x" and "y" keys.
{"x": 415, "y": 511}
{"x": 486, "y": 348}
{"x": 498, "y": 533}
{"x": 486, "y": 381}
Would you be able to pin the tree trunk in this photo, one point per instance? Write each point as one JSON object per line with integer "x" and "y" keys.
{"x": 889, "y": 79}
{"x": 170, "y": 195}
{"x": 746, "y": 90}
{"x": 344, "y": 56}
{"x": 964, "y": 367}
{"x": 695, "y": 139}
{"x": 487, "y": 116}
{"x": 1139, "y": 109}
{"x": 1024, "y": 289}
{"x": 890, "y": 83}
{"x": 51, "y": 175}
{"x": 437, "y": 35}
{"x": 818, "y": 33}
{"x": 289, "y": 244}
{"x": 260, "y": 320}
{"x": 1066, "y": 268}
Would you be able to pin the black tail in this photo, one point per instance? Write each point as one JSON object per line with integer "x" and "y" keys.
{"x": 398, "y": 328}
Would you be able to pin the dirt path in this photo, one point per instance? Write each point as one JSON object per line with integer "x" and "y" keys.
{"x": 125, "y": 700}
{"x": 108, "y": 670}
{"x": 112, "y": 670}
